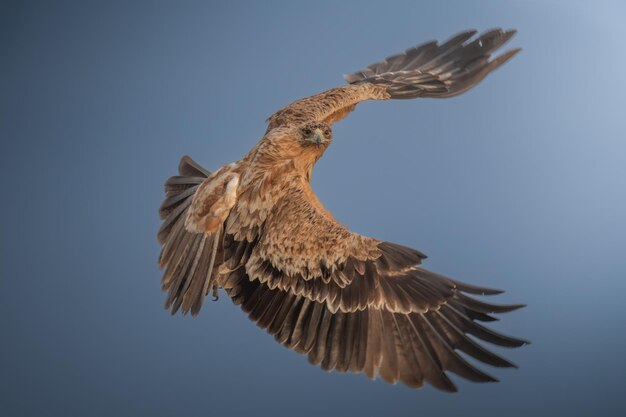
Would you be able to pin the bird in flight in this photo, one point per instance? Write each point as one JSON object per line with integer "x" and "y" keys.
{"x": 351, "y": 303}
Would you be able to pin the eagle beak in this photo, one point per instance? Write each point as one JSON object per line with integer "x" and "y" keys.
{"x": 318, "y": 137}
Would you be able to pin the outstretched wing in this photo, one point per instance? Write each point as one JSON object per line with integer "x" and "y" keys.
{"x": 353, "y": 303}
{"x": 188, "y": 257}
{"x": 428, "y": 70}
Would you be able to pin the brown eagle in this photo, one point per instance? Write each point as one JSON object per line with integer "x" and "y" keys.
{"x": 349, "y": 302}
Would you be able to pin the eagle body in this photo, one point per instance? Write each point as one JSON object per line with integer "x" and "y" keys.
{"x": 351, "y": 303}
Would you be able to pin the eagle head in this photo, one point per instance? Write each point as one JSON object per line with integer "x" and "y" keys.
{"x": 316, "y": 133}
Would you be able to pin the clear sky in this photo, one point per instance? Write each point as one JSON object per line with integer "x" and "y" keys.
{"x": 518, "y": 184}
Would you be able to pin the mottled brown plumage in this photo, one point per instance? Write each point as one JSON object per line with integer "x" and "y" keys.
{"x": 349, "y": 302}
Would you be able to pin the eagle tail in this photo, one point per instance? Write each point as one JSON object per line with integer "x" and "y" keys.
{"x": 438, "y": 71}
{"x": 186, "y": 256}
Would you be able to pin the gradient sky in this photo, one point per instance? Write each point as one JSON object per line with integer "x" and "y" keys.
{"x": 518, "y": 184}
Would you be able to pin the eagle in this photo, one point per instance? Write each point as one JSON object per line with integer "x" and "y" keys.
{"x": 256, "y": 229}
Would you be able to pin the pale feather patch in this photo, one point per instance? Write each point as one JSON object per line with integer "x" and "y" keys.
{"x": 213, "y": 201}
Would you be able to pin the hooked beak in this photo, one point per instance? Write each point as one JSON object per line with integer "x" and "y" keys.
{"x": 318, "y": 137}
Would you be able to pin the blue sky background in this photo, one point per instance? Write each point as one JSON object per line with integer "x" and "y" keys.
{"x": 518, "y": 184}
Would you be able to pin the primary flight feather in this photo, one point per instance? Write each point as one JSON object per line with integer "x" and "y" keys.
{"x": 351, "y": 303}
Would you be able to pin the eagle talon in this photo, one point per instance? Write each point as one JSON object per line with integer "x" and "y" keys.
{"x": 216, "y": 294}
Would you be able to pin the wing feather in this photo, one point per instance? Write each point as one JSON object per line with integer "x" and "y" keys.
{"x": 373, "y": 309}
{"x": 413, "y": 348}
{"x": 357, "y": 304}
{"x": 348, "y": 302}
{"x": 427, "y": 70}
{"x": 187, "y": 257}
{"x": 438, "y": 71}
